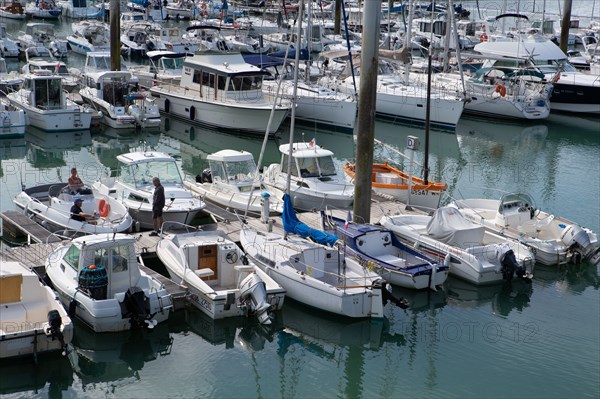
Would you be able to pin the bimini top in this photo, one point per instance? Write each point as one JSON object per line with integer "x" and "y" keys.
{"x": 230, "y": 156}
{"x": 305, "y": 150}
{"x": 537, "y": 47}
{"x": 140, "y": 157}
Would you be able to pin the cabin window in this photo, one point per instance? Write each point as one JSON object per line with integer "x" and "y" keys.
{"x": 284, "y": 166}
{"x": 217, "y": 171}
{"x": 120, "y": 259}
{"x": 240, "y": 171}
{"x": 327, "y": 166}
{"x": 243, "y": 83}
{"x": 101, "y": 257}
{"x": 71, "y": 258}
{"x": 125, "y": 174}
{"x": 308, "y": 167}
{"x": 47, "y": 94}
{"x": 166, "y": 171}
{"x": 222, "y": 82}
{"x": 197, "y": 77}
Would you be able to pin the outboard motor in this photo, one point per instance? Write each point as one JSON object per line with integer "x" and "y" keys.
{"x": 577, "y": 240}
{"x": 509, "y": 263}
{"x": 386, "y": 294}
{"x": 205, "y": 177}
{"x": 253, "y": 291}
{"x": 137, "y": 307}
{"x": 53, "y": 330}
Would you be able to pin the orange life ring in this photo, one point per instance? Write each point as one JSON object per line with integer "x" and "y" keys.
{"x": 103, "y": 208}
{"x": 501, "y": 89}
{"x": 483, "y": 37}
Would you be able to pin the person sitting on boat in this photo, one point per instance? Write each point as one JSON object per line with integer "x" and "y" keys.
{"x": 78, "y": 214}
{"x": 76, "y": 184}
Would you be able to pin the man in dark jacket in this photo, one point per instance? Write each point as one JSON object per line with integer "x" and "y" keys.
{"x": 158, "y": 203}
{"x": 78, "y": 214}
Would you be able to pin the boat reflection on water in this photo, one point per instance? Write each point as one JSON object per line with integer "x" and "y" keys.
{"x": 11, "y": 149}
{"x": 118, "y": 357}
{"x": 504, "y": 298}
{"x": 247, "y": 332}
{"x": 47, "y": 149}
{"x": 572, "y": 279}
{"x": 48, "y": 378}
{"x": 108, "y": 142}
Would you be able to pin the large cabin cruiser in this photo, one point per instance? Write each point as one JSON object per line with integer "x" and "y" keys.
{"x": 573, "y": 91}
{"x": 220, "y": 90}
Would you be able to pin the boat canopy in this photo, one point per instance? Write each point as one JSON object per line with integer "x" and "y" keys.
{"x": 230, "y": 156}
{"x": 291, "y": 224}
{"x": 305, "y": 150}
{"x": 141, "y": 157}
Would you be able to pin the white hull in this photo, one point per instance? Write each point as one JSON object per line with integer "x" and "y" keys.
{"x": 422, "y": 199}
{"x": 24, "y": 327}
{"x": 80, "y": 45}
{"x": 228, "y": 115}
{"x": 212, "y": 284}
{"x": 53, "y": 120}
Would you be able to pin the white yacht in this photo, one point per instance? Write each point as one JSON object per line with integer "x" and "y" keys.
{"x": 315, "y": 181}
{"x": 133, "y": 186}
{"x": 39, "y": 39}
{"x": 98, "y": 278}
{"x": 220, "y": 90}
{"x": 231, "y": 181}
{"x": 47, "y": 107}
{"x": 89, "y": 35}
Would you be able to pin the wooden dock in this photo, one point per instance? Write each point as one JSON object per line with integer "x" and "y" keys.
{"x": 17, "y": 226}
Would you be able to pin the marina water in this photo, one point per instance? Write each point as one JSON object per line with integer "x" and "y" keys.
{"x": 537, "y": 340}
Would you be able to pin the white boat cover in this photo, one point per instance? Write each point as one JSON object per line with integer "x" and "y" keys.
{"x": 449, "y": 226}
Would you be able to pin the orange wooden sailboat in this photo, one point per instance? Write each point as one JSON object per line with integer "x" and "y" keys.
{"x": 388, "y": 180}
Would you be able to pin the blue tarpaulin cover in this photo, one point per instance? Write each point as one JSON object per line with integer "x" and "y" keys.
{"x": 291, "y": 224}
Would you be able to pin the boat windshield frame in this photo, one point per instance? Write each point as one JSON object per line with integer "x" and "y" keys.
{"x": 142, "y": 173}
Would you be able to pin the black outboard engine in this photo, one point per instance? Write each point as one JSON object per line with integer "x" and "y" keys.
{"x": 137, "y": 306}
{"x": 386, "y": 295}
{"x": 205, "y": 177}
{"x": 53, "y": 330}
{"x": 510, "y": 266}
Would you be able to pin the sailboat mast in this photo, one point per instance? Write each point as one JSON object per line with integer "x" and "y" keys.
{"x": 366, "y": 111}
{"x": 294, "y": 94}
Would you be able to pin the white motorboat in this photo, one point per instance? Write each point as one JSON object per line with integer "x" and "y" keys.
{"x": 219, "y": 89}
{"x": 50, "y": 205}
{"x": 89, "y": 35}
{"x": 165, "y": 67}
{"x": 82, "y": 9}
{"x": 133, "y": 186}
{"x": 44, "y": 9}
{"x": 32, "y": 319}
{"x": 139, "y": 38}
{"x": 471, "y": 252}
{"x": 46, "y": 104}
{"x": 231, "y": 182}
{"x": 12, "y": 119}
{"x": 39, "y": 40}
{"x": 573, "y": 91}
{"x": 553, "y": 239}
{"x": 315, "y": 182}
{"x": 98, "y": 278}
{"x": 221, "y": 281}
{"x": 396, "y": 262}
{"x": 316, "y": 275}
{"x": 116, "y": 94}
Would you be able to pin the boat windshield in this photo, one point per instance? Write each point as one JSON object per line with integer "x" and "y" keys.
{"x": 172, "y": 63}
{"x": 233, "y": 171}
{"x": 166, "y": 171}
{"x": 316, "y": 167}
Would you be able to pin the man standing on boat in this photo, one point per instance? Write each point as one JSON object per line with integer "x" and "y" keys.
{"x": 158, "y": 203}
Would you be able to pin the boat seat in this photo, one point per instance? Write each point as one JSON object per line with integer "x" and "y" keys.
{"x": 244, "y": 268}
{"x": 203, "y": 273}
{"x": 392, "y": 260}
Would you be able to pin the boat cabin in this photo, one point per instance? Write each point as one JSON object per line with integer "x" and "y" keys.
{"x": 233, "y": 168}
{"x": 137, "y": 169}
{"x": 165, "y": 61}
{"x": 309, "y": 160}
{"x": 97, "y": 61}
{"x": 40, "y": 31}
{"x": 45, "y": 90}
{"x": 222, "y": 76}
{"x": 113, "y": 258}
